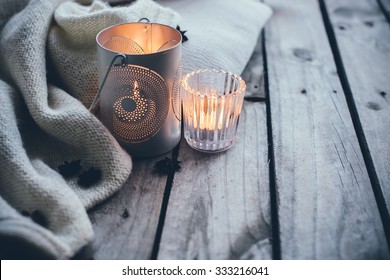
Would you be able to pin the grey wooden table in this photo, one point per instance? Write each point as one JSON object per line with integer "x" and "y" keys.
{"x": 309, "y": 176}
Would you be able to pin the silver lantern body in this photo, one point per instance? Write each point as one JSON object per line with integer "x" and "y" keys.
{"x": 140, "y": 99}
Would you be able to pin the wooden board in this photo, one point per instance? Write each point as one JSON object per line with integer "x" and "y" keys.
{"x": 364, "y": 44}
{"x": 327, "y": 209}
{"x": 219, "y": 204}
{"x": 121, "y": 235}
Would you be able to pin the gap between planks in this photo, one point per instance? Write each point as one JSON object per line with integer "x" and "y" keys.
{"x": 164, "y": 205}
{"x": 384, "y": 5}
{"x": 379, "y": 197}
{"x": 276, "y": 249}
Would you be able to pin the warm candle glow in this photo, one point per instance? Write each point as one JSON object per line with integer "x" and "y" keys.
{"x": 139, "y": 73}
{"x": 212, "y": 102}
{"x": 211, "y": 114}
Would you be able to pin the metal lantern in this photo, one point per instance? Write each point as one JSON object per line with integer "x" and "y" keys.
{"x": 139, "y": 77}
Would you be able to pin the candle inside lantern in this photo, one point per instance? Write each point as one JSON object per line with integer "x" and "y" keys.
{"x": 212, "y": 102}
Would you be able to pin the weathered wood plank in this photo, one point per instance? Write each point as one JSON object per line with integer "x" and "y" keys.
{"x": 125, "y": 225}
{"x": 327, "y": 209}
{"x": 219, "y": 204}
{"x": 364, "y": 44}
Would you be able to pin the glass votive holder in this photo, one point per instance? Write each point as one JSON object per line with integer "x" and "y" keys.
{"x": 212, "y": 103}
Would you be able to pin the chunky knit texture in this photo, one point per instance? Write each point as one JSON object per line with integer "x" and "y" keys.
{"x": 42, "y": 125}
{"x": 48, "y": 75}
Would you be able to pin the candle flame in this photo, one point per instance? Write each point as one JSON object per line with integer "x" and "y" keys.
{"x": 211, "y": 114}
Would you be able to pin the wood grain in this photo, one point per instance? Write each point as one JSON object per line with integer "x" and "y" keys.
{"x": 327, "y": 209}
{"x": 219, "y": 204}
{"x": 364, "y": 45}
{"x": 125, "y": 225}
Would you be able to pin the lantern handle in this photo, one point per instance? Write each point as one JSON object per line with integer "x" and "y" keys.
{"x": 96, "y": 100}
{"x": 167, "y": 42}
{"x": 144, "y": 18}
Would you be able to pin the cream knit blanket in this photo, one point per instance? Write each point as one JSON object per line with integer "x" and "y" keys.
{"x": 47, "y": 77}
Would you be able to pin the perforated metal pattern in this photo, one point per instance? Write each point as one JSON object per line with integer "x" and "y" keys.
{"x": 134, "y": 103}
{"x": 123, "y": 45}
{"x": 176, "y": 100}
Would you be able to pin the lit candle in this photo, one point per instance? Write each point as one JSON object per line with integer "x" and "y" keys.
{"x": 212, "y": 102}
{"x": 211, "y": 113}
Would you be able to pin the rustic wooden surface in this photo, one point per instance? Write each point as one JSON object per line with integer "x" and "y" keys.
{"x": 309, "y": 175}
{"x": 219, "y": 205}
{"x": 326, "y": 204}
{"x": 125, "y": 225}
{"x": 366, "y": 31}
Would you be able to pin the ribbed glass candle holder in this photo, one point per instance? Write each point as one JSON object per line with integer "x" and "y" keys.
{"x": 212, "y": 103}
